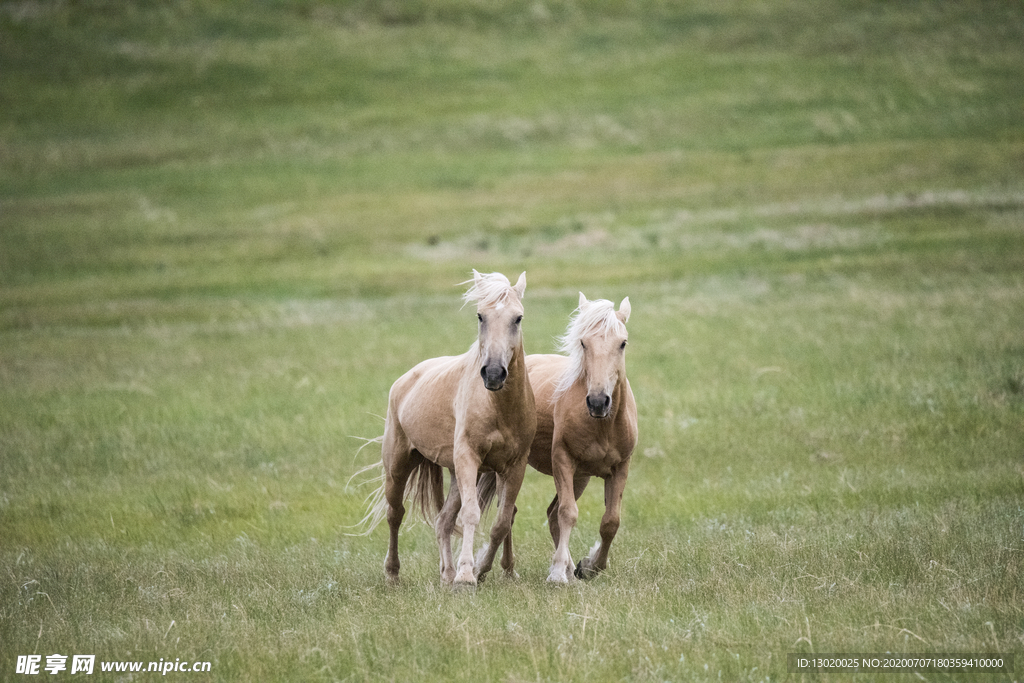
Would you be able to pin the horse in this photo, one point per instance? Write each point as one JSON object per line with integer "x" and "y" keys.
{"x": 469, "y": 413}
{"x": 586, "y": 427}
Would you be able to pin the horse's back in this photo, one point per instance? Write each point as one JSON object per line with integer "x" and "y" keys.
{"x": 630, "y": 425}
{"x": 421, "y": 406}
{"x": 544, "y": 370}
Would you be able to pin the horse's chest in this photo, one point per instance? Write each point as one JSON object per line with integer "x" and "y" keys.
{"x": 496, "y": 443}
{"x": 598, "y": 458}
{"x": 498, "y": 447}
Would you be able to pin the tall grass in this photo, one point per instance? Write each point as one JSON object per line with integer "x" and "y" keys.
{"x": 225, "y": 229}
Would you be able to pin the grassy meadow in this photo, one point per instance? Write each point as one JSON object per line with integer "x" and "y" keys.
{"x": 226, "y": 228}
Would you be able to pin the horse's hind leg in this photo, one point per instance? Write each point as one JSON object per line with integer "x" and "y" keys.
{"x": 508, "y": 562}
{"x": 444, "y": 529}
{"x": 501, "y": 531}
{"x": 396, "y": 476}
{"x": 553, "y": 519}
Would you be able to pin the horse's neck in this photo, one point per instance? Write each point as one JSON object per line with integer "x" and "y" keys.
{"x": 517, "y": 369}
{"x": 619, "y": 396}
{"x": 620, "y": 389}
{"x": 517, "y": 382}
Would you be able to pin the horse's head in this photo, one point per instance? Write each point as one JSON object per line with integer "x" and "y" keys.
{"x": 596, "y": 343}
{"x": 499, "y": 314}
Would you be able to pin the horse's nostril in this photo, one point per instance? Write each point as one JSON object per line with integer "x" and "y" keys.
{"x": 494, "y": 376}
{"x": 599, "y": 405}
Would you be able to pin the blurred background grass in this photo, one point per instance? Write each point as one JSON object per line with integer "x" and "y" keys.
{"x": 226, "y": 228}
{"x": 314, "y": 148}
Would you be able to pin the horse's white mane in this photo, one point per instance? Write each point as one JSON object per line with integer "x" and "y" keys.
{"x": 489, "y": 289}
{"x": 592, "y": 317}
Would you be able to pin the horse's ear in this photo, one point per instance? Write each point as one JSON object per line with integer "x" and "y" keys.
{"x": 521, "y": 285}
{"x": 476, "y": 277}
{"x": 623, "y": 312}
{"x": 583, "y": 300}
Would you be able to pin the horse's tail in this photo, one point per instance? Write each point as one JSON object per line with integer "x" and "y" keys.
{"x": 376, "y": 505}
{"x": 486, "y": 489}
{"x": 427, "y": 485}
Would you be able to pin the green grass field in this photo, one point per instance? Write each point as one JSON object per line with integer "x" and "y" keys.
{"x": 226, "y": 228}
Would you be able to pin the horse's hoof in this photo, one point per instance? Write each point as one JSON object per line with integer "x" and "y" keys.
{"x": 585, "y": 573}
{"x": 464, "y": 579}
{"x": 558, "y": 576}
{"x": 464, "y": 586}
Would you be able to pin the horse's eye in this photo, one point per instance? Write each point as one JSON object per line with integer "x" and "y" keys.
{"x": 583, "y": 345}
{"x": 479, "y": 317}
{"x": 623, "y": 347}
{"x": 519, "y": 320}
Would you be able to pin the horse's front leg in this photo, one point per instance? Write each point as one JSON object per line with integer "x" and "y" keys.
{"x": 566, "y": 514}
{"x": 597, "y": 560}
{"x": 467, "y": 466}
{"x": 445, "y": 527}
{"x": 579, "y": 485}
{"x": 509, "y": 484}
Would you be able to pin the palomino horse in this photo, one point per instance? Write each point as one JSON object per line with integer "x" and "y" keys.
{"x": 464, "y": 413}
{"x": 586, "y": 426}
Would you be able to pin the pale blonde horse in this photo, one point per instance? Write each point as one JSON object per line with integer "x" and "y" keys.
{"x": 586, "y": 427}
{"x": 468, "y": 413}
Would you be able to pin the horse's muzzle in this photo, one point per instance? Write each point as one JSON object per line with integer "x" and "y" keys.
{"x": 494, "y": 376}
{"x": 599, "y": 405}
